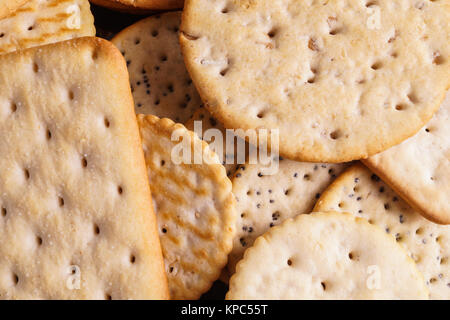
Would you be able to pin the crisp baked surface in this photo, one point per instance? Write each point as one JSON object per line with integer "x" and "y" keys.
{"x": 264, "y": 201}
{"x": 419, "y": 168}
{"x": 326, "y": 256}
{"x": 363, "y": 194}
{"x": 9, "y": 6}
{"x": 40, "y": 22}
{"x": 139, "y": 6}
{"x": 159, "y": 80}
{"x": 69, "y": 134}
{"x": 194, "y": 205}
{"x": 341, "y": 80}
{"x": 228, "y": 155}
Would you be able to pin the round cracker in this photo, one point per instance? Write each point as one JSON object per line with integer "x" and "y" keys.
{"x": 194, "y": 205}
{"x": 419, "y": 168}
{"x": 326, "y": 256}
{"x": 363, "y": 194}
{"x": 159, "y": 80}
{"x": 337, "y": 84}
{"x": 264, "y": 201}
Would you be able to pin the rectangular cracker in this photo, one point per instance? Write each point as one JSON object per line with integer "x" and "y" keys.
{"x": 9, "y": 6}
{"x": 76, "y": 218}
{"x": 40, "y": 22}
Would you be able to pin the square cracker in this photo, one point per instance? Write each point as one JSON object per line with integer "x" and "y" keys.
{"x": 75, "y": 202}
{"x": 40, "y": 22}
{"x": 419, "y": 168}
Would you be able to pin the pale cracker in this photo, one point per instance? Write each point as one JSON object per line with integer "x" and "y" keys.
{"x": 363, "y": 194}
{"x": 159, "y": 80}
{"x": 139, "y": 6}
{"x": 194, "y": 205}
{"x": 326, "y": 256}
{"x": 263, "y": 201}
{"x": 74, "y": 200}
{"x": 228, "y": 155}
{"x": 9, "y": 6}
{"x": 40, "y": 22}
{"x": 337, "y": 84}
{"x": 419, "y": 168}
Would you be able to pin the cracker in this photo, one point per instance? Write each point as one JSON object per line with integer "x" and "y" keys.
{"x": 264, "y": 201}
{"x": 338, "y": 85}
{"x": 74, "y": 201}
{"x": 160, "y": 82}
{"x": 9, "y": 6}
{"x": 228, "y": 153}
{"x": 363, "y": 194}
{"x": 195, "y": 208}
{"x": 139, "y": 6}
{"x": 326, "y": 256}
{"x": 419, "y": 168}
{"x": 40, "y": 22}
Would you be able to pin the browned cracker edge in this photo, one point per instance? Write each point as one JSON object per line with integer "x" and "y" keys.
{"x": 428, "y": 214}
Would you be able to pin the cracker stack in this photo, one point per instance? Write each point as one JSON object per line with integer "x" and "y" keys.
{"x": 107, "y": 193}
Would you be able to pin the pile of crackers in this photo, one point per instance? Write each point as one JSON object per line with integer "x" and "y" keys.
{"x": 121, "y": 175}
